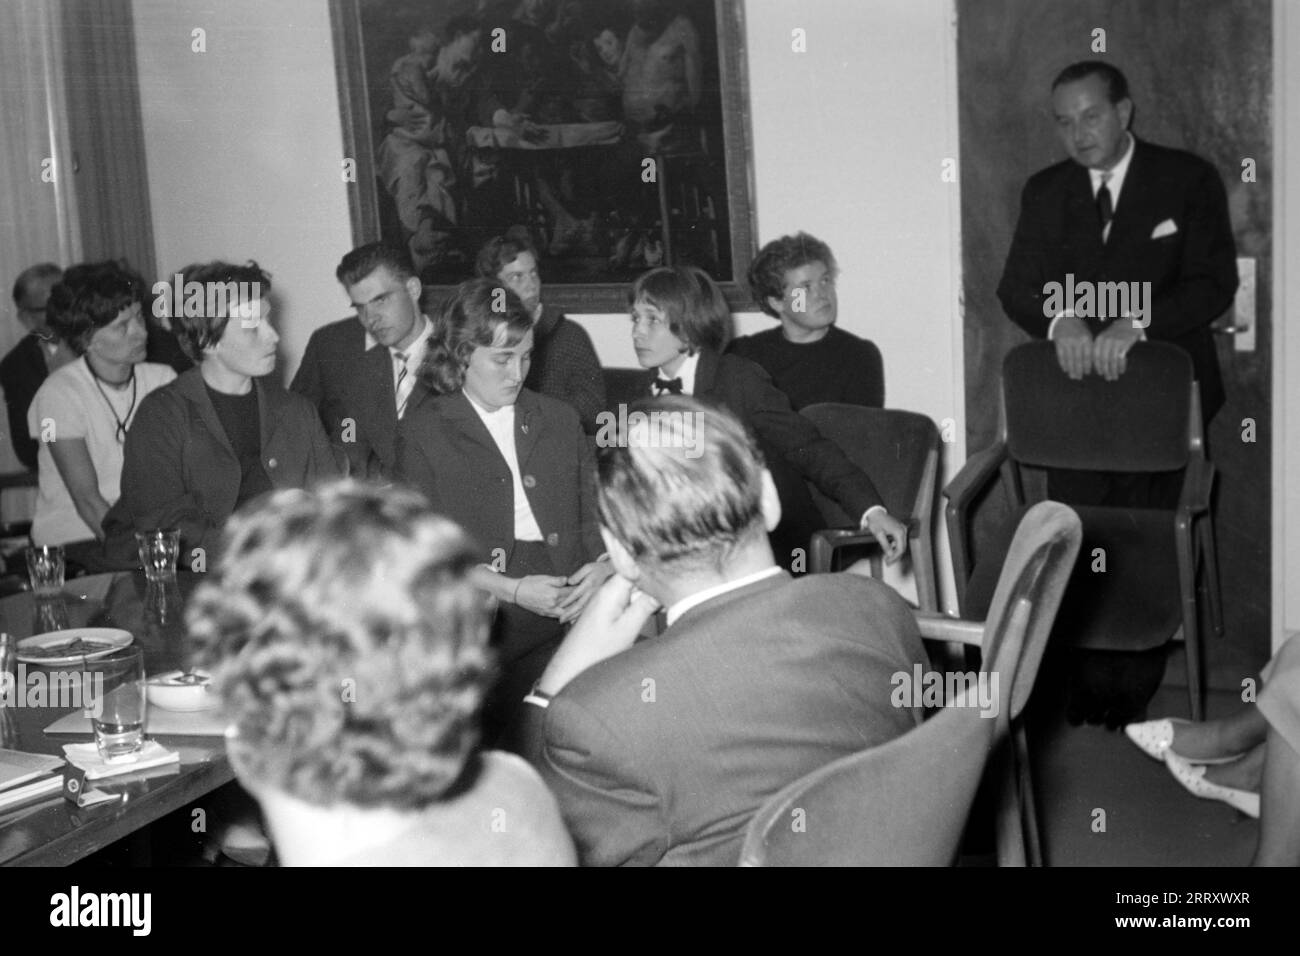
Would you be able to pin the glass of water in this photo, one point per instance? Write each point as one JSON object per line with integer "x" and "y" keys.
{"x": 45, "y": 568}
{"x": 158, "y": 552}
{"x": 116, "y": 701}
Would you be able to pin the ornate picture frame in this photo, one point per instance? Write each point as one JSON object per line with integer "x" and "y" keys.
{"x": 614, "y": 133}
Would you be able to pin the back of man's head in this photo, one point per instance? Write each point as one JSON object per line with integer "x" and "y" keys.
{"x": 682, "y": 487}
{"x": 32, "y": 287}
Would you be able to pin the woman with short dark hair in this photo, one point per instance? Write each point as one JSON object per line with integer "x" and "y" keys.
{"x": 223, "y": 433}
{"x": 82, "y": 412}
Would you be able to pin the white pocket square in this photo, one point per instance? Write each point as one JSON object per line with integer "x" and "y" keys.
{"x": 1166, "y": 228}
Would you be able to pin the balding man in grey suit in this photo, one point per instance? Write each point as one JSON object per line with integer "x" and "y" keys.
{"x": 660, "y": 751}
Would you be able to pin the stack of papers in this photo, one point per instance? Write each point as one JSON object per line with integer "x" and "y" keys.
{"x": 25, "y": 777}
{"x": 86, "y": 757}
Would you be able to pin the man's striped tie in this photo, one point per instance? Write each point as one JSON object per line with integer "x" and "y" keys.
{"x": 402, "y": 394}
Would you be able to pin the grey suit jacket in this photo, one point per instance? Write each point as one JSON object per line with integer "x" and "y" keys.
{"x": 663, "y": 753}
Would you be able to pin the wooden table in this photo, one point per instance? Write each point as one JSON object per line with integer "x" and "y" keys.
{"x": 55, "y": 832}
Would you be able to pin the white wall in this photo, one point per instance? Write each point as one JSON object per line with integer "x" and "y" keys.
{"x": 244, "y": 144}
{"x": 1286, "y": 299}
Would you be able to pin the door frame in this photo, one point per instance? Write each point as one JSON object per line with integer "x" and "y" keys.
{"x": 1286, "y": 298}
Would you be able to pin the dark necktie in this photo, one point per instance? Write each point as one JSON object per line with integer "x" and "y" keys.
{"x": 661, "y": 385}
{"x": 1105, "y": 209}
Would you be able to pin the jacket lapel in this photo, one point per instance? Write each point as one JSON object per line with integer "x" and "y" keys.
{"x": 192, "y": 387}
{"x": 1085, "y": 226}
{"x": 528, "y": 425}
{"x": 271, "y": 404}
{"x": 460, "y": 414}
{"x": 706, "y": 373}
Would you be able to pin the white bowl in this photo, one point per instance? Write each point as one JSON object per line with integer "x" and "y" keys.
{"x": 170, "y": 693}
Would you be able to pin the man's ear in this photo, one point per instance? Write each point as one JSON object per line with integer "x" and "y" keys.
{"x": 414, "y": 288}
{"x": 777, "y": 304}
{"x": 619, "y": 556}
{"x": 1125, "y": 108}
{"x": 771, "y": 502}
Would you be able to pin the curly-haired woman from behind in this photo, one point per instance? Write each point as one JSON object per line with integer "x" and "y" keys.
{"x": 350, "y": 651}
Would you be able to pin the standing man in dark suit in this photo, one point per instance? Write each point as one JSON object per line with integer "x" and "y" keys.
{"x": 1127, "y": 211}
{"x": 1152, "y": 220}
{"x": 39, "y": 352}
{"x": 660, "y": 751}
{"x": 564, "y": 361}
{"x": 361, "y": 374}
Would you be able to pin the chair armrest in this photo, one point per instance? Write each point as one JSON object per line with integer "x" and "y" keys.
{"x": 940, "y": 627}
{"x": 974, "y": 475}
{"x": 1198, "y": 481}
{"x": 979, "y": 469}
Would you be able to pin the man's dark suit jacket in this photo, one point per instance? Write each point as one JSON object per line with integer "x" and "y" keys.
{"x": 446, "y": 452}
{"x": 795, "y": 451}
{"x": 1192, "y": 271}
{"x": 22, "y": 372}
{"x": 344, "y": 381}
{"x": 660, "y": 755}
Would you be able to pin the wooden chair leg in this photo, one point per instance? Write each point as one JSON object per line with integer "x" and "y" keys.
{"x": 1191, "y": 624}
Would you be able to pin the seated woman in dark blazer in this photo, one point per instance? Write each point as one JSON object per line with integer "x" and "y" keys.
{"x": 680, "y": 326}
{"x": 512, "y": 468}
{"x": 222, "y": 433}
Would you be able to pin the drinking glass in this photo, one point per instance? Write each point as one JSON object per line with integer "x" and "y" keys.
{"x": 45, "y": 568}
{"x": 158, "y": 552}
{"x": 117, "y": 702}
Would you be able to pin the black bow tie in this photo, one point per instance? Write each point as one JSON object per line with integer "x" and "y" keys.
{"x": 661, "y": 385}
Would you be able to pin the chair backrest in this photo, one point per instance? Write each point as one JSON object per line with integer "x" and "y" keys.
{"x": 623, "y": 386}
{"x": 1033, "y": 579}
{"x": 906, "y": 802}
{"x": 1137, "y": 423}
{"x": 898, "y": 451}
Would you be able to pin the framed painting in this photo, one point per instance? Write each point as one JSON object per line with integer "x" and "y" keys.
{"x": 613, "y": 134}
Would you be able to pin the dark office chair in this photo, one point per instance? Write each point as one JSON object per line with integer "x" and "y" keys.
{"x": 1148, "y": 420}
{"x": 899, "y": 451}
{"x": 906, "y": 803}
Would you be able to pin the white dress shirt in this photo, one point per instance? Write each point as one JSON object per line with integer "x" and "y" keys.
{"x": 708, "y": 594}
{"x": 686, "y": 373}
{"x": 501, "y": 426}
{"x": 408, "y": 359}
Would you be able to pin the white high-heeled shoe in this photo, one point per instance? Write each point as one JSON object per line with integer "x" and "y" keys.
{"x": 1154, "y": 738}
{"x": 1192, "y": 777}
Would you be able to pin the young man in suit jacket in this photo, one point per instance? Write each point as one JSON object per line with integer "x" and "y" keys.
{"x": 661, "y": 751}
{"x": 361, "y": 373}
{"x": 680, "y": 326}
{"x": 1120, "y": 210}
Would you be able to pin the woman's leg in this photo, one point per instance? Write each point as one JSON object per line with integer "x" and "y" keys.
{"x": 1279, "y": 806}
{"x": 1222, "y": 737}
